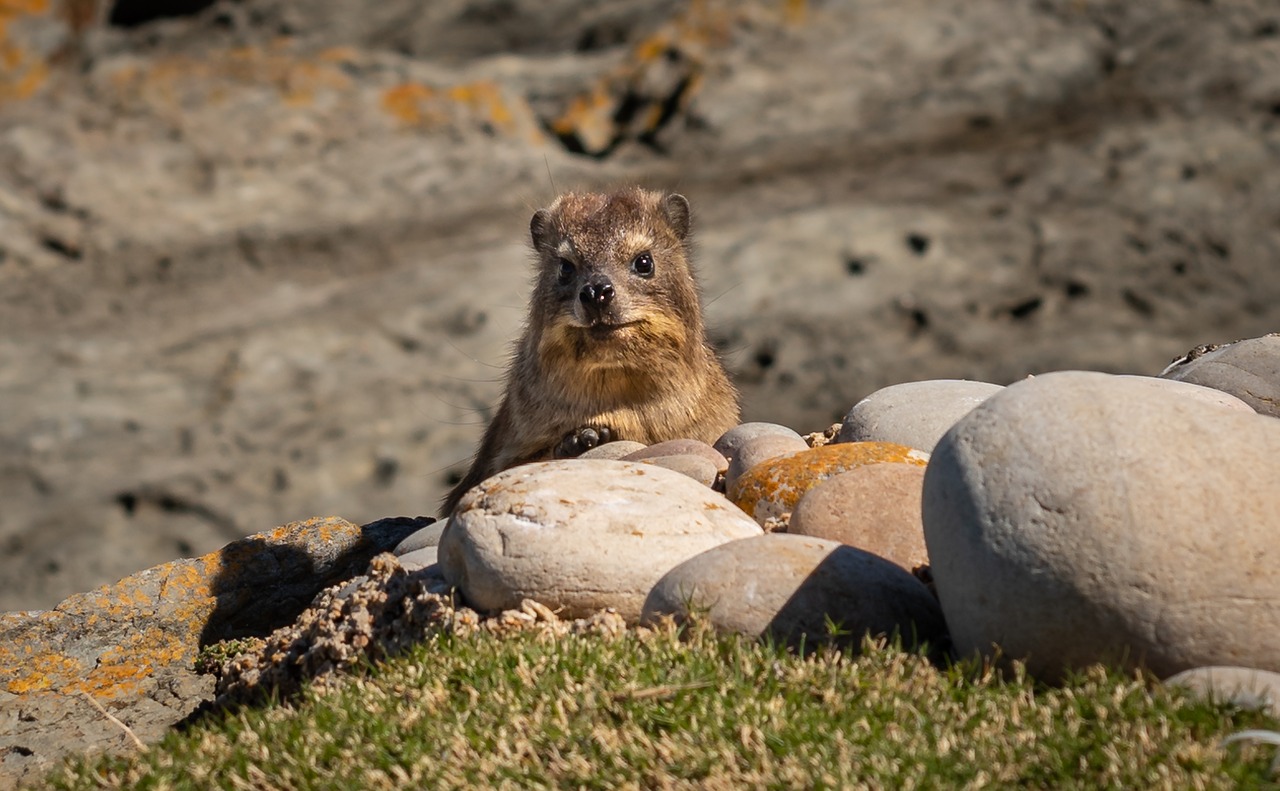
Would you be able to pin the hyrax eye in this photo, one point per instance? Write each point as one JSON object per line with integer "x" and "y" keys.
{"x": 642, "y": 264}
{"x": 566, "y": 271}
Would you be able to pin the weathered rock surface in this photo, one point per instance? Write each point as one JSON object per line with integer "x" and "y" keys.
{"x": 1078, "y": 517}
{"x": 758, "y": 449}
{"x": 795, "y": 588}
{"x": 1248, "y": 369}
{"x": 580, "y": 536}
{"x": 267, "y": 259}
{"x": 915, "y": 414}
{"x": 1245, "y": 687}
{"x": 130, "y": 647}
{"x": 875, "y": 508}
{"x": 772, "y": 488}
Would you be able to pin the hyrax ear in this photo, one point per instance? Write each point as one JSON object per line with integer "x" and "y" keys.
{"x": 540, "y": 229}
{"x": 676, "y": 207}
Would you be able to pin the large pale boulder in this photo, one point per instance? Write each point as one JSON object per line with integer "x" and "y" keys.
{"x": 581, "y": 536}
{"x": 1080, "y": 517}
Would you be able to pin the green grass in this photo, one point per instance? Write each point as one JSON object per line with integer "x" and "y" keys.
{"x": 655, "y": 710}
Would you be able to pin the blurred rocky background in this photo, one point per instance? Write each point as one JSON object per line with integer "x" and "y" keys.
{"x": 262, "y": 259}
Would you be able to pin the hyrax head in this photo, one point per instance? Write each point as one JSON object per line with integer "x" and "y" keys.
{"x": 613, "y": 269}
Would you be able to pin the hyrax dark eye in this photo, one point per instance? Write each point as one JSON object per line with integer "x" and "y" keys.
{"x": 642, "y": 264}
{"x": 566, "y": 271}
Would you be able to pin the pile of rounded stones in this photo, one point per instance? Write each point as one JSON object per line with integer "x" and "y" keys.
{"x": 1065, "y": 520}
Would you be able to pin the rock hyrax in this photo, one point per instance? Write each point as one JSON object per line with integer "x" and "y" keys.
{"x": 614, "y": 346}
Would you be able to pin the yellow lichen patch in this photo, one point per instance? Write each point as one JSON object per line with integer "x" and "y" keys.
{"x": 43, "y": 671}
{"x": 298, "y": 79}
{"x": 772, "y": 488}
{"x": 21, "y": 72}
{"x": 661, "y": 68}
{"x": 476, "y": 103}
{"x": 795, "y": 11}
{"x": 149, "y": 621}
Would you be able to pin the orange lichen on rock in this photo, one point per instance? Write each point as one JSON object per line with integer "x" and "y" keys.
{"x": 22, "y": 72}
{"x": 298, "y": 79}
{"x": 659, "y": 78}
{"x": 481, "y": 103}
{"x": 772, "y": 488}
{"x": 110, "y": 641}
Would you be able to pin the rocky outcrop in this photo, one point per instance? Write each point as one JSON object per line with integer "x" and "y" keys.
{"x": 115, "y": 667}
{"x": 267, "y": 258}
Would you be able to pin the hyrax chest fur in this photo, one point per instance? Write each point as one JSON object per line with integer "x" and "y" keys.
{"x": 614, "y": 345}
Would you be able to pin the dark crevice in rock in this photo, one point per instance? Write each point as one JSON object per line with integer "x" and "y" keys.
{"x": 132, "y": 13}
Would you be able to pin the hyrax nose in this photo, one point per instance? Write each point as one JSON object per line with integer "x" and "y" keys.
{"x": 597, "y": 293}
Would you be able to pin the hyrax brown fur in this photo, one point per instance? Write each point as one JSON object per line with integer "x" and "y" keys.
{"x": 614, "y": 345}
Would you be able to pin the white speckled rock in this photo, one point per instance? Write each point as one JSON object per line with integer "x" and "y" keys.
{"x": 1248, "y": 369}
{"x": 790, "y": 587}
{"x": 614, "y": 450}
{"x": 876, "y": 508}
{"x": 1080, "y": 517}
{"x": 581, "y": 536}
{"x": 1246, "y": 687}
{"x": 915, "y": 414}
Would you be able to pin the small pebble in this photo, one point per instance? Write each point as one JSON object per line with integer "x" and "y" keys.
{"x": 1246, "y": 687}
{"x": 428, "y": 536}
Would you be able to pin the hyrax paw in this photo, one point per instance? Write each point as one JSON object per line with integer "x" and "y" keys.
{"x": 581, "y": 440}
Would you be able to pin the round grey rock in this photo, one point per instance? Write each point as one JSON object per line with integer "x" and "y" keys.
{"x": 696, "y": 467}
{"x": 1248, "y": 369}
{"x": 614, "y": 450}
{"x": 875, "y": 508}
{"x": 1078, "y": 517}
{"x": 759, "y": 449}
{"x": 1246, "y": 687}
{"x": 581, "y": 536}
{"x": 418, "y": 549}
{"x": 428, "y": 536}
{"x": 915, "y": 414}
{"x": 681, "y": 447}
{"x": 794, "y": 588}
{"x": 734, "y": 438}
